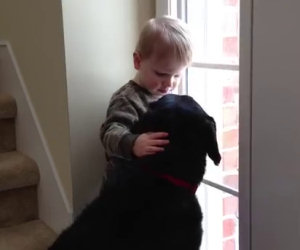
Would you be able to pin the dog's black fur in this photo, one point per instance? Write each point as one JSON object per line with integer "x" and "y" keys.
{"x": 138, "y": 209}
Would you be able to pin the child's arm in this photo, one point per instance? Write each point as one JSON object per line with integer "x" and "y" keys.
{"x": 116, "y": 136}
{"x": 115, "y": 131}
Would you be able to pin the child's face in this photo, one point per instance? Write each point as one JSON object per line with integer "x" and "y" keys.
{"x": 158, "y": 76}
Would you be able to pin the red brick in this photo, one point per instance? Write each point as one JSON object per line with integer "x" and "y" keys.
{"x": 230, "y": 160}
{"x": 231, "y": 2}
{"x": 230, "y": 92}
{"x": 229, "y": 244}
{"x": 230, "y": 116}
{"x": 230, "y": 138}
{"x": 228, "y": 227}
{"x": 230, "y": 205}
{"x": 230, "y": 46}
{"x": 231, "y": 181}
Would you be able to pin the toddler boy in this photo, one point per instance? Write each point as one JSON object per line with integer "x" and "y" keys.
{"x": 161, "y": 56}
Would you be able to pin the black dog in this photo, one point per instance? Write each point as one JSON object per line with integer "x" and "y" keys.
{"x": 150, "y": 203}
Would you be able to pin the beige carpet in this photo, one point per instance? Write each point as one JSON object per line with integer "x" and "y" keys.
{"x": 20, "y": 228}
{"x": 33, "y": 235}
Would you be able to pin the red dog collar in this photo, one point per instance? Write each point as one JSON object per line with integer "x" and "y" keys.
{"x": 175, "y": 181}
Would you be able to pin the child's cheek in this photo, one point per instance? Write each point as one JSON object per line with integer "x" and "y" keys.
{"x": 175, "y": 84}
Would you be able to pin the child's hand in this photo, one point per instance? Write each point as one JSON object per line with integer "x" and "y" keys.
{"x": 150, "y": 143}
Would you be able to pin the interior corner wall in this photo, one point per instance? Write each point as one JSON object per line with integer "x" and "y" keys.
{"x": 35, "y": 31}
{"x": 100, "y": 37}
{"x": 275, "y": 199}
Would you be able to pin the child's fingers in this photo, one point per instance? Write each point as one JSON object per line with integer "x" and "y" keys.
{"x": 158, "y": 135}
{"x": 160, "y": 142}
{"x": 153, "y": 150}
{"x": 157, "y": 139}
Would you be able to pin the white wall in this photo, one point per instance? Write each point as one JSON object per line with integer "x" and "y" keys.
{"x": 276, "y": 125}
{"x": 34, "y": 29}
{"x": 100, "y": 37}
{"x": 54, "y": 207}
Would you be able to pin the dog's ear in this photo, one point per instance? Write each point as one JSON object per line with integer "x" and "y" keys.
{"x": 211, "y": 141}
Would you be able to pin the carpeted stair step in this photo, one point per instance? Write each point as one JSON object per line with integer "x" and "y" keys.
{"x": 17, "y": 170}
{"x": 8, "y": 106}
{"x": 33, "y": 235}
{"x": 8, "y": 111}
{"x": 19, "y": 176}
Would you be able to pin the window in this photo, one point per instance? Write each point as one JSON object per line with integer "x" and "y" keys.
{"x": 213, "y": 80}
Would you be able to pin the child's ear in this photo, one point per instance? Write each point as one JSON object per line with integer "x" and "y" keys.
{"x": 137, "y": 60}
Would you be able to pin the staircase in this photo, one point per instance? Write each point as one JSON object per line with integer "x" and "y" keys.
{"x": 20, "y": 228}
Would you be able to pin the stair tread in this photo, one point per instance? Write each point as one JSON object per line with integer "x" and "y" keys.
{"x": 32, "y": 235}
{"x": 17, "y": 170}
{"x": 8, "y": 107}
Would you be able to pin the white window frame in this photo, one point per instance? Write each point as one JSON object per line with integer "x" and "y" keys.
{"x": 166, "y": 7}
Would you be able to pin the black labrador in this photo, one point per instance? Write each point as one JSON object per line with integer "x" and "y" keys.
{"x": 150, "y": 203}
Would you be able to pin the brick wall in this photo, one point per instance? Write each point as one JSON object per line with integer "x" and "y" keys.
{"x": 230, "y": 133}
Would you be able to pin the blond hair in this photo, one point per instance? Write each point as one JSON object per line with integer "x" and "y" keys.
{"x": 165, "y": 36}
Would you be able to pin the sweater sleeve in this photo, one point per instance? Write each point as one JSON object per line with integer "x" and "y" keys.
{"x": 115, "y": 131}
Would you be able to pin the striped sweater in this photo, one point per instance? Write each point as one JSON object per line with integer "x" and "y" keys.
{"x": 126, "y": 106}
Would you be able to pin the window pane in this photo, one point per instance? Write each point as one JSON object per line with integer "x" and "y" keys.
{"x": 220, "y": 219}
{"x": 215, "y": 30}
{"x": 217, "y": 91}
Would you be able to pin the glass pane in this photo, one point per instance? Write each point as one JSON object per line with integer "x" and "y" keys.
{"x": 215, "y": 30}
{"x": 220, "y": 219}
{"x": 217, "y": 91}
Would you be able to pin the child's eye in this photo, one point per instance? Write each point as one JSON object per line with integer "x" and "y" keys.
{"x": 160, "y": 74}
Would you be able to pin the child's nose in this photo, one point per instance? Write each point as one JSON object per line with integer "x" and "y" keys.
{"x": 169, "y": 81}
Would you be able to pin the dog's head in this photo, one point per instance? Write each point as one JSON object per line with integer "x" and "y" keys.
{"x": 192, "y": 135}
